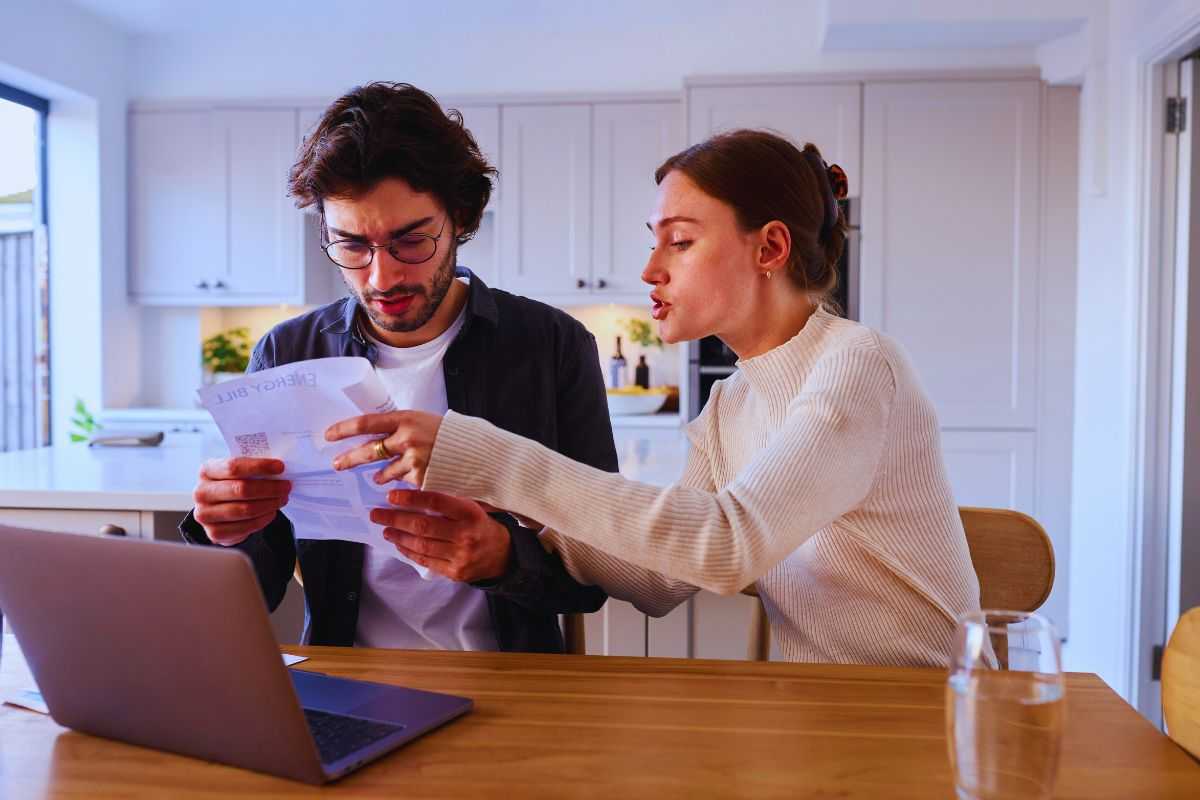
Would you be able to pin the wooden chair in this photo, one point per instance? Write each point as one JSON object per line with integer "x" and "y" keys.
{"x": 1013, "y": 559}
{"x": 573, "y": 634}
{"x": 1181, "y": 683}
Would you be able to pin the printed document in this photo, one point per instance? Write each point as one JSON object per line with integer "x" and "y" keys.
{"x": 283, "y": 413}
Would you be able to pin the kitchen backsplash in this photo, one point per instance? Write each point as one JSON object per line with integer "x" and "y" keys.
{"x": 173, "y": 336}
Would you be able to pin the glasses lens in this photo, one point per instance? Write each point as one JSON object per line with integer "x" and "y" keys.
{"x": 413, "y": 249}
{"x": 352, "y": 255}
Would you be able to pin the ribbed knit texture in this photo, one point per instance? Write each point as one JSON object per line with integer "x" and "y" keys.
{"x": 815, "y": 472}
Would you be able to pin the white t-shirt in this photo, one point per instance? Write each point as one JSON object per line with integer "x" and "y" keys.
{"x": 397, "y": 608}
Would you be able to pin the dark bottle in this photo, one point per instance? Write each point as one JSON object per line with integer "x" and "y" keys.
{"x": 641, "y": 373}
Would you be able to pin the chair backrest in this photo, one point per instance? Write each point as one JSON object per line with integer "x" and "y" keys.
{"x": 1012, "y": 556}
{"x": 1013, "y": 559}
{"x": 1181, "y": 683}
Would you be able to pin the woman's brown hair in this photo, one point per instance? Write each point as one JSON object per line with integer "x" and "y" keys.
{"x": 764, "y": 177}
{"x": 394, "y": 130}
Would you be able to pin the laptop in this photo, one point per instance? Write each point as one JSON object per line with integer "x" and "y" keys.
{"x": 169, "y": 646}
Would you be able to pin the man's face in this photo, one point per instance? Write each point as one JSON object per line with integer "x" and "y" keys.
{"x": 396, "y": 296}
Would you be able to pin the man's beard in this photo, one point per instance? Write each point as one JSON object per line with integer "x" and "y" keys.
{"x": 433, "y": 294}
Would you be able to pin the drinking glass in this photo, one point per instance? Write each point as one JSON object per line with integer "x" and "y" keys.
{"x": 1005, "y": 706}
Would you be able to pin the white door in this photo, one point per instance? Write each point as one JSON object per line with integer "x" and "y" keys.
{"x": 828, "y": 115}
{"x": 176, "y": 205}
{"x": 264, "y": 258}
{"x": 545, "y": 204}
{"x": 1183, "y": 557}
{"x": 950, "y": 226}
{"x": 629, "y": 142}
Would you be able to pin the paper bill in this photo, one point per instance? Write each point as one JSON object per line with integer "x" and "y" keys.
{"x": 283, "y": 413}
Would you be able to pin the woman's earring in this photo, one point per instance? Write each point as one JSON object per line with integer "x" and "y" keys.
{"x": 768, "y": 274}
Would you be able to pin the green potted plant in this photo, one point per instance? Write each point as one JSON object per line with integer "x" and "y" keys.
{"x": 641, "y": 333}
{"x": 226, "y": 354}
{"x": 83, "y": 422}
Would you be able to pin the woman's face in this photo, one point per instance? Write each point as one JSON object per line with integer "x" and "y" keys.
{"x": 702, "y": 266}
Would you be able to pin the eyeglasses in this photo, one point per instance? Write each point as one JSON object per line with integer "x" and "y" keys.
{"x": 411, "y": 248}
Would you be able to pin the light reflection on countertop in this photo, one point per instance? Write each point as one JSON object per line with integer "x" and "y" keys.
{"x": 162, "y": 478}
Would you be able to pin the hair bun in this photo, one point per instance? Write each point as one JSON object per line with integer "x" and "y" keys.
{"x": 838, "y": 181}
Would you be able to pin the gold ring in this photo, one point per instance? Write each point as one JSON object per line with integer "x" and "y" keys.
{"x": 381, "y": 451}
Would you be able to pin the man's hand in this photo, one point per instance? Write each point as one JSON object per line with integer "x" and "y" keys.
{"x": 463, "y": 544}
{"x": 407, "y": 439}
{"x": 236, "y": 497}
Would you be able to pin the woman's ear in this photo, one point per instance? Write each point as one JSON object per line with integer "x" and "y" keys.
{"x": 774, "y": 247}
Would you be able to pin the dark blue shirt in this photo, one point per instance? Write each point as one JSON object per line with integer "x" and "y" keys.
{"x": 523, "y": 366}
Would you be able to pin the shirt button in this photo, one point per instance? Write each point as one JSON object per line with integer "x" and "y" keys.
{"x": 352, "y": 596}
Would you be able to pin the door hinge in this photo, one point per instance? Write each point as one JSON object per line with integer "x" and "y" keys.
{"x": 1156, "y": 657}
{"x": 1176, "y": 114}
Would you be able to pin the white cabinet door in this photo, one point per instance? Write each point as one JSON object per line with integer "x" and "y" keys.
{"x": 950, "y": 241}
{"x": 994, "y": 469}
{"x": 209, "y": 218}
{"x": 480, "y": 254}
{"x": 629, "y": 141}
{"x": 483, "y": 121}
{"x": 264, "y": 225}
{"x": 545, "y": 206}
{"x": 176, "y": 203}
{"x": 828, "y": 115}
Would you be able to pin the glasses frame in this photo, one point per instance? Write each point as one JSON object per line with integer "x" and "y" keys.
{"x": 435, "y": 238}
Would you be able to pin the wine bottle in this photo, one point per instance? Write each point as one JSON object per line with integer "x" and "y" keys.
{"x": 641, "y": 373}
{"x": 616, "y": 368}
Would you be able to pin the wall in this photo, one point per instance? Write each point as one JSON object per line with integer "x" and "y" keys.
{"x": 52, "y": 49}
{"x": 1106, "y": 552}
{"x": 459, "y": 47}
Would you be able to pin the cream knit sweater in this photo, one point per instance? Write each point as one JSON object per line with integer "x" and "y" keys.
{"x": 815, "y": 473}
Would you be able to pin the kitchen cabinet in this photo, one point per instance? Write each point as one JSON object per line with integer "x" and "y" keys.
{"x": 578, "y": 187}
{"x": 177, "y": 232}
{"x": 545, "y": 210}
{"x": 828, "y": 115}
{"x": 629, "y": 142}
{"x": 210, "y": 221}
{"x": 951, "y": 226}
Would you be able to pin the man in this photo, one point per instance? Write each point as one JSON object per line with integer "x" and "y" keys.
{"x": 399, "y": 184}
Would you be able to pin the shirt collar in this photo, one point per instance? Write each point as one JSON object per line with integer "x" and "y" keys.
{"x": 480, "y": 303}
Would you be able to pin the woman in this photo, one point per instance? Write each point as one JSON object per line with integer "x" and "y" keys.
{"x": 815, "y": 470}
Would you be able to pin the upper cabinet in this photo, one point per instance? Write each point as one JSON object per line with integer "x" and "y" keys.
{"x": 210, "y": 221}
{"x": 629, "y": 142}
{"x": 828, "y": 115}
{"x": 546, "y": 202}
{"x": 950, "y": 241}
{"x": 578, "y": 186}
{"x": 177, "y": 232}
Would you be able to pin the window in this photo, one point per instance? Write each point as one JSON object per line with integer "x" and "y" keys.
{"x": 24, "y": 272}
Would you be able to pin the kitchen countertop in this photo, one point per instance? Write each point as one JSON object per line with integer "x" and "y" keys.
{"x": 162, "y": 478}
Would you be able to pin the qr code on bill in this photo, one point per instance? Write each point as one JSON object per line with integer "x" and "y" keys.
{"x": 252, "y": 444}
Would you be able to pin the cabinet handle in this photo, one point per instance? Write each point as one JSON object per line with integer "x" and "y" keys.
{"x": 220, "y": 285}
{"x": 112, "y": 530}
{"x": 202, "y": 285}
{"x": 602, "y": 284}
{"x": 580, "y": 284}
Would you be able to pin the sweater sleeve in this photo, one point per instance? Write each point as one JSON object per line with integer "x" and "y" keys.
{"x": 818, "y": 466}
{"x": 650, "y": 592}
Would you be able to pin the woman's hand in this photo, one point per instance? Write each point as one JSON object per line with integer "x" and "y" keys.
{"x": 407, "y": 442}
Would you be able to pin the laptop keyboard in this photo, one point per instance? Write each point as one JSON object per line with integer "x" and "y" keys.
{"x": 338, "y": 736}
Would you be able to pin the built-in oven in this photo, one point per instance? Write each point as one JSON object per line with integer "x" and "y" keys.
{"x": 709, "y": 360}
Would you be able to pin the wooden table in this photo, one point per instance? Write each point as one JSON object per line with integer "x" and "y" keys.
{"x": 587, "y": 726}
